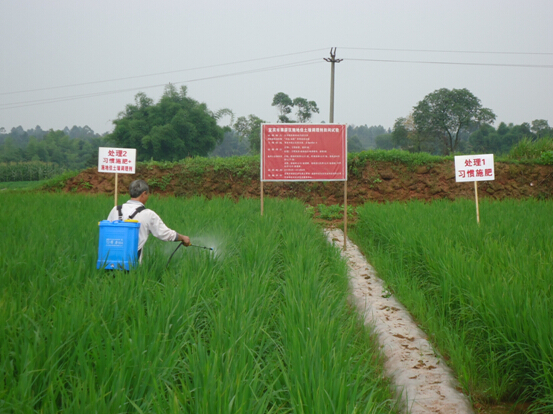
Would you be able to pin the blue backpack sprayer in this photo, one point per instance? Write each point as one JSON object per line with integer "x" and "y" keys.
{"x": 118, "y": 244}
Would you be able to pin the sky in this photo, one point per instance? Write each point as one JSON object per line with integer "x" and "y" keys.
{"x": 69, "y": 62}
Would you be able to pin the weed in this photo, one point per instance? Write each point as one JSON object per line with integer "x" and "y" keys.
{"x": 333, "y": 212}
{"x": 162, "y": 182}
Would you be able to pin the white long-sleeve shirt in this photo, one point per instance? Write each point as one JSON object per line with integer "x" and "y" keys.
{"x": 149, "y": 221}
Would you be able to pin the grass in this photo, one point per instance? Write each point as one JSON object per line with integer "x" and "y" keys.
{"x": 484, "y": 293}
{"x": 260, "y": 325}
{"x": 18, "y": 185}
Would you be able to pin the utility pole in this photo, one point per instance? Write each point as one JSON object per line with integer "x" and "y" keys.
{"x": 332, "y": 61}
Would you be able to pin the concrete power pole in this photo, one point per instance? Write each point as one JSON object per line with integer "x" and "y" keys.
{"x": 332, "y": 61}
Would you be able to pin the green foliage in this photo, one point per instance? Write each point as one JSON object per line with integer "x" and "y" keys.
{"x": 52, "y": 147}
{"x": 28, "y": 171}
{"x": 405, "y": 136}
{"x": 175, "y": 128}
{"x": 486, "y": 140}
{"x": 161, "y": 182}
{"x": 305, "y": 109}
{"x": 249, "y": 129}
{"x": 537, "y": 150}
{"x": 232, "y": 145}
{"x": 20, "y": 185}
{"x": 162, "y": 165}
{"x": 354, "y": 145}
{"x": 85, "y": 184}
{"x": 384, "y": 142}
{"x": 541, "y": 128}
{"x": 58, "y": 182}
{"x": 284, "y": 104}
{"x": 366, "y": 135}
{"x": 547, "y": 157}
{"x": 445, "y": 114}
{"x": 261, "y": 324}
{"x": 333, "y": 212}
{"x": 357, "y": 162}
{"x": 483, "y": 292}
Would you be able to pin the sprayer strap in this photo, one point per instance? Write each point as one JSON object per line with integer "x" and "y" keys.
{"x": 138, "y": 210}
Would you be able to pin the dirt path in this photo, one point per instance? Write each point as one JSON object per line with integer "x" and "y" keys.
{"x": 425, "y": 383}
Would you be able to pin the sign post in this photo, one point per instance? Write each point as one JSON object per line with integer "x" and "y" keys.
{"x": 304, "y": 152}
{"x": 118, "y": 161}
{"x": 474, "y": 168}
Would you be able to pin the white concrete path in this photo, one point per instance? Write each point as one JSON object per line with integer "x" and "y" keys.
{"x": 426, "y": 384}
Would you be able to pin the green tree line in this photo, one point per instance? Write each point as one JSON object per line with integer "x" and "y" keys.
{"x": 177, "y": 127}
{"x": 454, "y": 121}
{"x": 52, "y": 147}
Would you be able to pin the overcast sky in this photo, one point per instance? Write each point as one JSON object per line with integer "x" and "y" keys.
{"x": 69, "y": 62}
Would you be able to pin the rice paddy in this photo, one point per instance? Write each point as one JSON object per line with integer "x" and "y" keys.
{"x": 482, "y": 292}
{"x": 261, "y": 324}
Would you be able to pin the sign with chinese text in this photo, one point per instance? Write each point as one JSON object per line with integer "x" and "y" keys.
{"x": 117, "y": 160}
{"x": 303, "y": 152}
{"x": 474, "y": 168}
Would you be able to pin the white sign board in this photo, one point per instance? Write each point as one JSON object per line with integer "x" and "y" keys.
{"x": 117, "y": 160}
{"x": 474, "y": 168}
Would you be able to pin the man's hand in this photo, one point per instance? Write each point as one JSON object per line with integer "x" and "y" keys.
{"x": 184, "y": 239}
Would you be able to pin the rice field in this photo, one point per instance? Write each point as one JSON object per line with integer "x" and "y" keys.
{"x": 483, "y": 292}
{"x": 260, "y": 325}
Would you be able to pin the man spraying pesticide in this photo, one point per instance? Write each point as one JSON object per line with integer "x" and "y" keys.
{"x": 117, "y": 246}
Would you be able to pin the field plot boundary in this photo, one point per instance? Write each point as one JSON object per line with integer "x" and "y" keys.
{"x": 424, "y": 382}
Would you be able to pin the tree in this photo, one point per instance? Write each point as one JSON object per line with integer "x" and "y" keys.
{"x": 487, "y": 140}
{"x": 231, "y": 146}
{"x": 250, "y": 129}
{"x": 284, "y": 104}
{"x": 384, "y": 141}
{"x": 305, "y": 110}
{"x": 9, "y": 151}
{"x": 175, "y": 128}
{"x": 354, "y": 145}
{"x": 445, "y": 114}
{"x": 540, "y": 127}
{"x": 406, "y": 137}
{"x": 401, "y": 134}
{"x": 366, "y": 134}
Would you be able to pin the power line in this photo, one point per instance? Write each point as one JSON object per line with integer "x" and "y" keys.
{"x": 13, "y": 105}
{"x": 449, "y": 51}
{"x": 454, "y": 63}
{"x": 275, "y": 57}
{"x": 159, "y": 73}
{"x": 95, "y": 94}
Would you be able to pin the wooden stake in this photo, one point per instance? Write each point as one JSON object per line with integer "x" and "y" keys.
{"x": 476, "y": 199}
{"x": 116, "y": 180}
{"x": 345, "y": 213}
{"x": 261, "y": 197}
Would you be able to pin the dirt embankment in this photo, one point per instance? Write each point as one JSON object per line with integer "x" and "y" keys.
{"x": 377, "y": 181}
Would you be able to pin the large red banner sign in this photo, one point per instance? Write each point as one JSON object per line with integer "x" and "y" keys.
{"x": 303, "y": 152}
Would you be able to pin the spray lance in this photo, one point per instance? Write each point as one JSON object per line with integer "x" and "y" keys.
{"x": 190, "y": 245}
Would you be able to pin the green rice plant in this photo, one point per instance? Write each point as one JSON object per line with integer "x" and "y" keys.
{"x": 259, "y": 325}
{"x": 20, "y": 185}
{"x": 483, "y": 292}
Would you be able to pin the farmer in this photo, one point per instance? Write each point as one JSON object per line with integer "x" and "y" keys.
{"x": 149, "y": 221}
